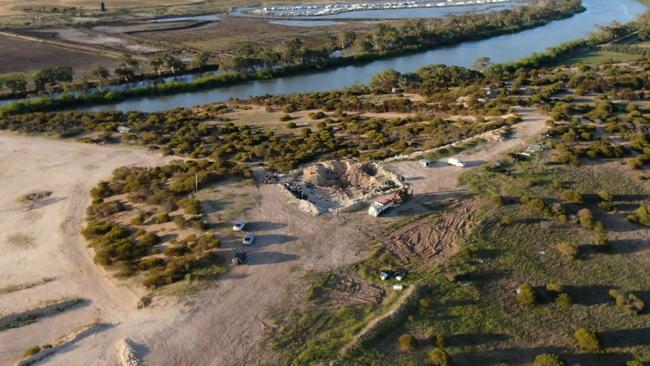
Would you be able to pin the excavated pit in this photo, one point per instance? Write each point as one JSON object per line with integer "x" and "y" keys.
{"x": 335, "y": 184}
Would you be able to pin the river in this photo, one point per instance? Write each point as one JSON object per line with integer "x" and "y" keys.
{"x": 504, "y": 48}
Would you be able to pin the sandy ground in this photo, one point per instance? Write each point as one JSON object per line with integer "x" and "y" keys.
{"x": 222, "y": 325}
{"x": 219, "y": 326}
{"x": 227, "y": 323}
{"x": 441, "y": 181}
{"x": 53, "y": 246}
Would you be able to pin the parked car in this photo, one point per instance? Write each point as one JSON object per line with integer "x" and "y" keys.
{"x": 239, "y": 225}
{"x": 240, "y": 258}
{"x": 249, "y": 238}
{"x": 456, "y": 162}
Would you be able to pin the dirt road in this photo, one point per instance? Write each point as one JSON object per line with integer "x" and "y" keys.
{"x": 226, "y": 324}
{"x": 223, "y": 325}
{"x": 441, "y": 181}
{"x": 51, "y": 246}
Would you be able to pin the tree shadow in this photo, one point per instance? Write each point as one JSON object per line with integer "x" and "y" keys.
{"x": 264, "y": 226}
{"x": 260, "y": 258}
{"x": 45, "y": 202}
{"x": 475, "y": 339}
{"x": 482, "y": 277}
{"x": 486, "y": 253}
{"x": 526, "y": 356}
{"x": 272, "y": 239}
{"x": 589, "y": 295}
{"x": 214, "y": 206}
{"x": 625, "y": 337}
{"x": 628, "y": 246}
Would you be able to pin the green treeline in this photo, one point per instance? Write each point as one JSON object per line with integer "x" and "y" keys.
{"x": 250, "y": 63}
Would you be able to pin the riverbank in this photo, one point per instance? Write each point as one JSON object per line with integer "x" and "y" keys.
{"x": 225, "y": 79}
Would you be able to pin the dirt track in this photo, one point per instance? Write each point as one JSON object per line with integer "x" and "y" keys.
{"x": 220, "y": 326}
{"x": 227, "y": 322}
{"x": 56, "y": 249}
{"x": 439, "y": 182}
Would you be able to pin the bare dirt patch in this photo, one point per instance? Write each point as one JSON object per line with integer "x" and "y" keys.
{"x": 335, "y": 184}
{"x": 431, "y": 239}
{"x": 21, "y": 240}
{"x": 21, "y": 55}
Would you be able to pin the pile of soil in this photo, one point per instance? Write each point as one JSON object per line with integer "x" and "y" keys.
{"x": 343, "y": 175}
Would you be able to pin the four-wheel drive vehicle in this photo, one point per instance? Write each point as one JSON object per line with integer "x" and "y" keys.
{"x": 249, "y": 238}
{"x": 239, "y": 225}
{"x": 456, "y": 162}
{"x": 240, "y": 258}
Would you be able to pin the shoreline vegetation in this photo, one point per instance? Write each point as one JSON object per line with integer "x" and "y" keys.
{"x": 383, "y": 42}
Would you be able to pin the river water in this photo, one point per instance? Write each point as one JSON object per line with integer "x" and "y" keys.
{"x": 504, "y": 48}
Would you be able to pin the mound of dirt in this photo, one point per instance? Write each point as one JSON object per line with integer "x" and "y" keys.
{"x": 339, "y": 184}
{"x": 343, "y": 175}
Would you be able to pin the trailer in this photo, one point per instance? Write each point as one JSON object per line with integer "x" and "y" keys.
{"x": 456, "y": 162}
{"x": 385, "y": 203}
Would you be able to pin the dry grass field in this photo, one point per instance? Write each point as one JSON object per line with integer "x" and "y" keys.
{"x": 21, "y": 56}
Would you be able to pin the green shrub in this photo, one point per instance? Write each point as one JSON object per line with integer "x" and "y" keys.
{"x": 634, "y": 363}
{"x": 292, "y": 125}
{"x": 587, "y": 340}
{"x": 548, "y": 359}
{"x": 191, "y": 206}
{"x": 586, "y": 218}
{"x": 438, "y": 340}
{"x": 564, "y": 301}
{"x": 285, "y": 118}
{"x": 32, "y": 351}
{"x": 568, "y": 250}
{"x": 555, "y": 288}
{"x": 439, "y": 357}
{"x": 641, "y": 215}
{"x": 495, "y": 199}
{"x": 149, "y": 239}
{"x": 506, "y": 220}
{"x": 606, "y": 196}
{"x": 317, "y": 115}
{"x": 573, "y": 196}
{"x": 407, "y": 343}
{"x": 138, "y": 219}
{"x": 526, "y": 294}
{"x": 629, "y": 304}
{"x": 162, "y": 218}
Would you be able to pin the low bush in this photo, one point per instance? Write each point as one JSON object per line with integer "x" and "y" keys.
{"x": 162, "y": 218}
{"x": 585, "y": 218}
{"x": 564, "y": 301}
{"x": 548, "y": 359}
{"x": 407, "y": 343}
{"x": 587, "y": 340}
{"x": 32, "y": 351}
{"x": 568, "y": 250}
{"x": 526, "y": 294}
{"x": 285, "y": 118}
{"x": 573, "y": 196}
{"x": 149, "y": 239}
{"x": 438, "y": 357}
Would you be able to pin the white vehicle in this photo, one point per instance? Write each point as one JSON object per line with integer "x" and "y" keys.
{"x": 249, "y": 238}
{"x": 426, "y": 163}
{"x": 239, "y": 225}
{"x": 380, "y": 206}
{"x": 456, "y": 162}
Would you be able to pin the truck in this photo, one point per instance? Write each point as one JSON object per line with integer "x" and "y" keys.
{"x": 456, "y": 162}
{"x": 383, "y": 204}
